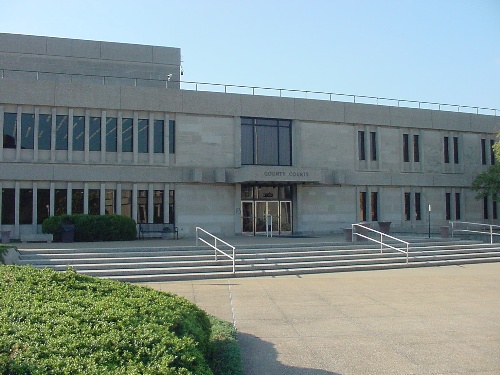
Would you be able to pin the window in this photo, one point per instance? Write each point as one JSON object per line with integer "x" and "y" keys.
{"x": 110, "y": 202}
{"x": 171, "y": 206}
{"x": 126, "y": 203}
{"x": 61, "y": 132}
{"x": 374, "y": 206}
{"x": 407, "y": 206}
{"x": 455, "y": 150}
{"x": 495, "y": 208}
{"x": 458, "y": 211}
{"x": 416, "y": 148}
{"x": 8, "y": 206}
{"x": 43, "y": 205}
{"x": 446, "y": 150}
{"x": 44, "y": 132}
{"x": 95, "y": 134}
{"x": 406, "y": 148}
{"x": 158, "y": 211}
{"x": 485, "y": 207}
{"x": 143, "y": 137}
{"x": 266, "y": 141}
{"x": 483, "y": 151}
{"x": 78, "y": 133}
{"x": 142, "y": 206}
{"x": 94, "y": 202}
{"x": 127, "y": 135}
{"x": 492, "y": 152}
{"x": 26, "y": 206}
{"x": 27, "y": 131}
{"x": 361, "y": 145}
{"x": 171, "y": 135}
{"x": 373, "y": 145}
{"x": 159, "y": 137}
{"x": 61, "y": 202}
{"x": 9, "y": 130}
{"x": 448, "y": 206}
{"x": 362, "y": 206}
{"x": 111, "y": 134}
{"x": 418, "y": 207}
{"x": 77, "y": 201}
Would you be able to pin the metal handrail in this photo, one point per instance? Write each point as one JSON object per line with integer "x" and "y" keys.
{"x": 490, "y": 232}
{"x": 381, "y": 242}
{"x": 283, "y": 92}
{"x": 215, "y": 247}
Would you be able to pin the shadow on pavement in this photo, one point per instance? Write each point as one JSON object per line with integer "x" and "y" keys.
{"x": 259, "y": 357}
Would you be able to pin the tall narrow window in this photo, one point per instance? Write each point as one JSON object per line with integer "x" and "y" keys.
{"x": 127, "y": 135}
{"x": 416, "y": 148}
{"x": 159, "y": 137}
{"x": 485, "y": 208}
{"x": 407, "y": 206}
{"x": 374, "y": 206}
{"x": 111, "y": 134}
{"x": 61, "y": 202}
{"x": 143, "y": 137}
{"x": 43, "y": 205}
{"x": 495, "y": 208}
{"x": 483, "y": 151}
{"x": 110, "y": 202}
{"x": 373, "y": 145}
{"x": 26, "y": 206}
{"x": 142, "y": 206}
{"x": 362, "y": 206}
{"x": 455, "y": 150}
{"x": 27, "y": 131}
{"x": 61, "y": 132}
{"x": 94, "y": 201}
{"x": 126, "y": 203}
{"x": 44, "y": 131}
{"x": 361, "y": 145}
{"x": 406, "y": 148}
{"x": 446, "y": 150}
{"x": 492, "y": 152}
{"x": 171, "y": 206}
{"x": 78, "y": 133}
{"x": 9, "y": 130}
{"x": 418, "y": 207}
{"x": 77, "y": 201}
{"x": 171, "y": 137}
{"x": 158, "y": 213}
{"x": 95, "y": 134}
{"x": 8, "y": 206}
{"x": 447, "y": 201}
{"x": 458, "y": 211}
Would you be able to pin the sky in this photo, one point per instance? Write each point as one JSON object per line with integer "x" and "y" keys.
{"x": 445, "y": 51}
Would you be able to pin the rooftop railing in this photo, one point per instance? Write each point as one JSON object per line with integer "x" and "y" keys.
{"x": 266, "y": 91}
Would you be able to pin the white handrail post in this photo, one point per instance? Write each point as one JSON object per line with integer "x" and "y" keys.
{"x": 381, "y": 242}
{"x": 407, "y": 251}
{"x": 196, "y": 237}
{"x": 234, "y": 265}
{"x": 491, "y": 234}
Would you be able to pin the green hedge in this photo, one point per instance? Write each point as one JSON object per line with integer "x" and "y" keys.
{"x": 91, "y": 228}
{"x": 66, "y": 323}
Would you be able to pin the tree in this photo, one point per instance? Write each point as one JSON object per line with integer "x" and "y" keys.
{"x": 488, "y": 183}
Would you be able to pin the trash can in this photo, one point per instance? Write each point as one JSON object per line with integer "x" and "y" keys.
{"x": 5, "y": 236}
{"x": 348, "y": 234}
{"x": 68, "y": 233}
{"x": 384, "y": 226}
{"x": 445, "y": 231}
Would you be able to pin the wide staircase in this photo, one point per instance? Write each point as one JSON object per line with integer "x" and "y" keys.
{"x": 150, "y": 264}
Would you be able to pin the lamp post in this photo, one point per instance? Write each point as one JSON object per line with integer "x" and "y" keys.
{"x": 429, "y": 221}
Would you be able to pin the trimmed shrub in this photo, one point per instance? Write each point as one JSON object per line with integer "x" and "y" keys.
{"x": 92, "y": 228}
{"x": 66, "y": 323}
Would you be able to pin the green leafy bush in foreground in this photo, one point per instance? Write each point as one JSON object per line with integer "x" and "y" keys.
{"x": 65, "y": 323}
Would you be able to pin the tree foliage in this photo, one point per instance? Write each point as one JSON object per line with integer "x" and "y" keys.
{"x": 488, "y": 183}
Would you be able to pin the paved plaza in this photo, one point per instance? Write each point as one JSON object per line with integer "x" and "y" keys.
{"x": 440, "y": 320}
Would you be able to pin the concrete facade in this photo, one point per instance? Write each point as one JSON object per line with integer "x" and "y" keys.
{"x": 204, "y": 173}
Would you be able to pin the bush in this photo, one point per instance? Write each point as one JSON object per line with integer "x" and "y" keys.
{"x": 224, "y": 355}
{"x": 65, "y": 323}
{"x": 92, "y": 228}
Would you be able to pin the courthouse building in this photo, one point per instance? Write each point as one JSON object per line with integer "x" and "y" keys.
{"x": 105, "y": 128}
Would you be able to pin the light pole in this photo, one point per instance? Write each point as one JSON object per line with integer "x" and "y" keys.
{"x": 429, "y": 221}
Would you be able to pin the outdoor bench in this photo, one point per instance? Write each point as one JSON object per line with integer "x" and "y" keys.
{"x": 158, "y": 229}
{"x": 37, "y": 237}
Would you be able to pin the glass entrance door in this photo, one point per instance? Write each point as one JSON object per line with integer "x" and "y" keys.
{"x": 276, "y": 215}
{"x": 247, "y": 217}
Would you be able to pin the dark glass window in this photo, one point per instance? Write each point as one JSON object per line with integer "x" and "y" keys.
{"x": 43, "y": 205}
{"x": 448, "y": 206}
{"x": 61, "y": 132}
{"x": 142, "y": 206}
{"x": 418, "y": 207}
{"x": 492, "y": 152}
{"x": 483, "y": 151}
{"x": 8, "y": 206}
{"x": 446, "y": 150}
{"x": 485, "y": 207}
{"x": 406, "y": 148}
{"x": 266, "y": 142}
{"x": 127, "y": 135}
{"x": 143, "y": 136}
{"x": 362, "y": 206}
{"x": 126, "y": 203}
{"x": 27, "y": 131}
{"x": 77, "y": 201}
{"x": 373, "y": 145}
{"x": 455, "y": 150}
{"x": 111, "y": 134}
{"x": 78, "y": 133}
{"x": 495, "y": 208}
{"x": 171, "y": 206}
{"x": 44, "y": 132}
{"x": 159, "y": 212}
{"x": 361, "y": 145}
{"x": 95, "y": 134}
{"x": 26, "y": 206}
{"x": 110, "y": 202}
{"x": 9, "y": 130}
{"x": 159, "y": 137}
{"x": 458, "y": 211}
{"x": 171, "y": 135}
{"x": 416, "y": 148}
{"x": 94, "y": 201}
{"x": 374, "y": 206}
{"x": 407, "y": 206}
{"x": 61, "y": 202}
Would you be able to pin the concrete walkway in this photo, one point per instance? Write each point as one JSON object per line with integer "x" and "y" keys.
{"x": 443, "y": 320}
